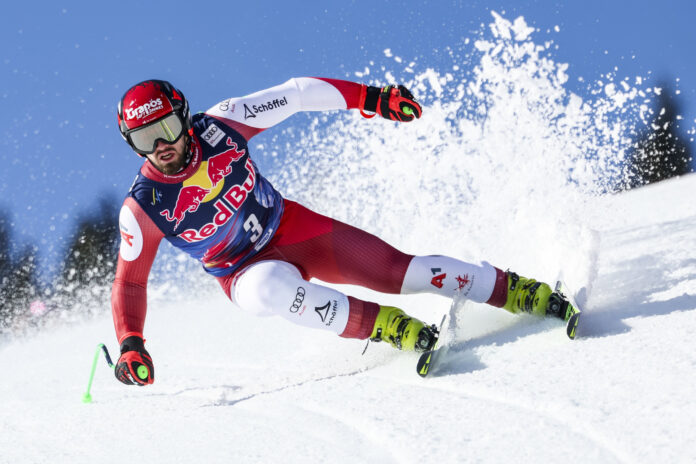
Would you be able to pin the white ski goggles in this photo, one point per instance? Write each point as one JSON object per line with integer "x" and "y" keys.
{"x": 144, "y": 139}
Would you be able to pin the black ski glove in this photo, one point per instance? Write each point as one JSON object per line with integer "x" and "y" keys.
{"x": 391, "y": 102}
{"x": 135, "y": 367}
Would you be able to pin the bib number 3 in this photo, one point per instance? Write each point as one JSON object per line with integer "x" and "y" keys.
{"x": 252, "y": 224}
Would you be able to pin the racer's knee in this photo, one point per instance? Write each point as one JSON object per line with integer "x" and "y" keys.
{"x": 264, "y": 288}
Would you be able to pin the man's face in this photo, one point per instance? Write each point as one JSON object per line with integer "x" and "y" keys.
{"x": 169, "y": 158}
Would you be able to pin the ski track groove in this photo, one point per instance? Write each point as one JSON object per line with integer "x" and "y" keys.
{"x": 282, "y": 388}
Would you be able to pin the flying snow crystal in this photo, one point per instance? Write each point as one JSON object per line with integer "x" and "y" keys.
{"x": 522, "y": 31}
{"x": 365, "y": 72}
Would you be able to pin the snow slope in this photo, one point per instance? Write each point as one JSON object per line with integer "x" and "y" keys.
{"x": 506, "y": 166}
{"x": 233, "y": 388}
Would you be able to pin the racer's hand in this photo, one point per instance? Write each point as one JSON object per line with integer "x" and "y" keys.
{"x": 135, "y": 367}
{"x": 391, "y": 102}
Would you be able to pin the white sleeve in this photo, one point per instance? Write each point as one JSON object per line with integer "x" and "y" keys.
{"x": 269, "y": 107}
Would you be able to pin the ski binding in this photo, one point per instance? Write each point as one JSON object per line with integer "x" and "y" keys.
{"x": 564, "y": 306}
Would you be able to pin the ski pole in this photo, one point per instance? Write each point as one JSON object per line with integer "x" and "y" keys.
{"x": 87, "y": 398}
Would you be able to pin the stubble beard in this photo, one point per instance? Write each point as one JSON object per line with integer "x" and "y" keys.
{"x": 178, "y": 162}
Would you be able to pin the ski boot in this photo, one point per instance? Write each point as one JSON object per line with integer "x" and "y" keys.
{"x": 402, "y": 331}
{"x": 527, "y": 295}
{"x": 530, "y": 296}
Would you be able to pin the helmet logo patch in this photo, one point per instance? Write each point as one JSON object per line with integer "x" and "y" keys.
{"x": 144, "y": 110}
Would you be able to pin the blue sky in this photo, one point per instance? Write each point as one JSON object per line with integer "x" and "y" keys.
{"x": 65, "y": 65}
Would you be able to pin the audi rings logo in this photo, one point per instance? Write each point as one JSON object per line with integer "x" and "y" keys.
{"x": 299, "y": 298}
{"x": 225, "y": 105}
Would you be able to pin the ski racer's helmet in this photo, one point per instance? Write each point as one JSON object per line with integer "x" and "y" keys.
{"x": 150, "y": 111}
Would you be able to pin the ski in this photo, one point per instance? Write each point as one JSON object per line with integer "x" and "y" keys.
{"x": 429, "y": 357}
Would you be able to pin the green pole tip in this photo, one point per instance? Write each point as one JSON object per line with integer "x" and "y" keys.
{"x": 87, "y": 398}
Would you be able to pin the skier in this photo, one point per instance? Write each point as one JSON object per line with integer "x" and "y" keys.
{"x": 199, "y": 189}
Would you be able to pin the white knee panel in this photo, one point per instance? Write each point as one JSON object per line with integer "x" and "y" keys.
{"x": 445, "y": 276}
{"x": 272, "y": 287}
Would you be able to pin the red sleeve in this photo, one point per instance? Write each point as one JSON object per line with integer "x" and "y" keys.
{"x": 140, "y": 239}
{"x": 350, "y": 91}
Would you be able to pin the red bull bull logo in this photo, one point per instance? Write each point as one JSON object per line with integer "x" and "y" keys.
{"x": 220, "y": 166}
{"x": 188, "y": 201}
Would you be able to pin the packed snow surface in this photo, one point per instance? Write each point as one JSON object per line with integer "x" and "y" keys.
{"x": 234, "y": 388}
{"x": 505, "y": 166}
